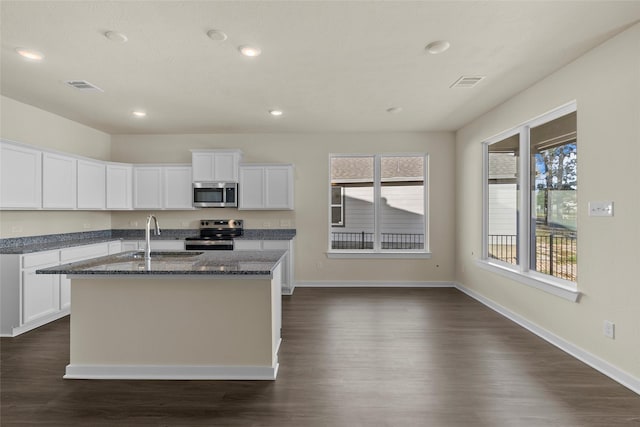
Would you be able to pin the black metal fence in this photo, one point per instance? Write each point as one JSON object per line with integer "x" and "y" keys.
{"x": 363, "y": 240}
{"x": 555, "y": 253}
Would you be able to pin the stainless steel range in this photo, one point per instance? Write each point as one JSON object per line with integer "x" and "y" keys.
{"x": 215, "y": 235}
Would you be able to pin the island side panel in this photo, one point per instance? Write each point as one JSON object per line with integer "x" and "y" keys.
{"x": 172, "y": 321}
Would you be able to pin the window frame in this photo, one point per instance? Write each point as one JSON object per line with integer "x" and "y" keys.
{"x": 522, "y": 272}
{"x": 377, "y": 251}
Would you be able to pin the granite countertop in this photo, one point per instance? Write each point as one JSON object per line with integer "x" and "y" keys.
{"x": 216, "y": 263}
{"x": 26, "y": 245}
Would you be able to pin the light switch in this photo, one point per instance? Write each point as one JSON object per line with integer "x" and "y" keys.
{"x": 601, "y": 208}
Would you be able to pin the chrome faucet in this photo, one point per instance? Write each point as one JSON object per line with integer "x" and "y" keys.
{"x": 147, "y": 251}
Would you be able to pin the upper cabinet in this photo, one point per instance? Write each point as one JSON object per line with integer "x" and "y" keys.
{"x": 177, "y": 187}
{"x": 162, "y": 187}
{"x": 147, "y": 187}
{"x": 266, "y": 187}
{"x": 215, "y": 165}
{"x": 119, "y": 186}
{"x": 91, "y": 185}
{"x": 20, "y": 177}
{"x": 58, "y": 181}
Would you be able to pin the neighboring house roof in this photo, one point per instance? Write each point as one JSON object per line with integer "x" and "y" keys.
{"x": 360, "y": 169}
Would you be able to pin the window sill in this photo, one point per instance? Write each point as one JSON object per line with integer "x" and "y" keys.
{"x": 562, "y": 290}
{"x": 378, "y": 255}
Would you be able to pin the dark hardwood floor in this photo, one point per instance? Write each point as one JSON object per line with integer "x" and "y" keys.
{"x": 350, "y": 357}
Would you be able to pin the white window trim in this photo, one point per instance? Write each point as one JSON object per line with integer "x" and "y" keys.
{"x": 378, "y": 252}
{"x": 521, "y": 273}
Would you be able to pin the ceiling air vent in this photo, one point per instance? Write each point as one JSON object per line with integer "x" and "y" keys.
{"x": 83, "y": 85}
{"x": 467, "y": 81}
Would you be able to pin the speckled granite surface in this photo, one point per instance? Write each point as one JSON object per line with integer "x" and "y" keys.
{"x": 215, "y": 263}
{"x": 268, "y": 234}
{"x": 25, "y": 245}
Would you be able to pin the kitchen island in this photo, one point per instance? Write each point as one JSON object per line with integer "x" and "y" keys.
{"x": 180, "y": 315}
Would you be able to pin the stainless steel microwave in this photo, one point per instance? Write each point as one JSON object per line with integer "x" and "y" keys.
{"x": 215, "y": 194}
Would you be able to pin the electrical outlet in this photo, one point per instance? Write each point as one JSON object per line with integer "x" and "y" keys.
{"x": 609, "y": 329}
{"x": 284, "y": 223}
{"x": 600, "y": 208}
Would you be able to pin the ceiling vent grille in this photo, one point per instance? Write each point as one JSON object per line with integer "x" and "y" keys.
{"x": 83, "y": 85}
{"x": 467, "y": 81}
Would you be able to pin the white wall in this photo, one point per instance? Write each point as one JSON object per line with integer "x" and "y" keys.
{"x": 310, "y": 154}
{"x": 606, "y": 84}
{"x": 30, "y": 125}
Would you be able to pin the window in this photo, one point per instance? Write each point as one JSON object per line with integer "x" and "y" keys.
{"x": 378, "y": 203}
{"x": 534, "y": 232}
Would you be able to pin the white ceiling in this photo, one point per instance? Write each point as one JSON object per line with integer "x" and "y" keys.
{"x": 332, "y": 66}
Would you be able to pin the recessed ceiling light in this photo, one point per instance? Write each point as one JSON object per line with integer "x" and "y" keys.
{"x": 437, "y": 47}
{"x": 276, "y": 112}
{"x": 139, "y": 113}
{"x": 32, "y": 55}
{"x": 115, "y": 36}
{"x": 250, "y": 51}
{"x": 394, "y": 110}
{"x": 216, "y": 35}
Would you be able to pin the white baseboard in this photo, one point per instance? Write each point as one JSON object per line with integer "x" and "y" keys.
{"x": 370, "y": 284}
{"x": 616, "y": 374}
{"x": 170, "y": 372}
{"x": 37, "y": 323}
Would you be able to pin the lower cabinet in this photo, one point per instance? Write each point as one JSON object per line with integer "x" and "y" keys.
{"x": 29, "y": 300}
{"x": 40, "y": 294}
{"x": 266, "y": 245}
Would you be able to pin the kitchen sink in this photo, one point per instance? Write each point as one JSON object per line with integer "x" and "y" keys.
{"x": 166, "y": 254}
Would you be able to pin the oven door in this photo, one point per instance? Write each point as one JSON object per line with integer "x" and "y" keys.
{"x": 208, "y": 245}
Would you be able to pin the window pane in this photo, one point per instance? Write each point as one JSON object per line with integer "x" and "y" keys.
{"x": 402, "y": 223}
{"x": 502, "y": 212}
{"x": 355, "y": 175}
{"x": 554, "y": 185}
{"x": 336, "y": 195}
{"x": 336, "y": 216}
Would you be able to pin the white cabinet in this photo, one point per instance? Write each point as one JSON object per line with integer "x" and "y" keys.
{"x": 40, "y": 294}
{"x": 215, "y": 165}
{"x": 91, "y": 185}
{"x": 20, "y": 177}
{"x": 119, "y": 186}
{"x": 162, "y": 187}
{"x": 177, "y": 187}
{"x": 266, "y": 187}
{"x": 29, "y": 300}
{"x": 147, "y": 187}
{"x": 58, "y": 181}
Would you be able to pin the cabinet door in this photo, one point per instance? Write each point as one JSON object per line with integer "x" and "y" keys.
{"x": 119, "y": 185}
{"x": 58, "y": 181}
{"x": 40, "y": 294}
{"x": 202, "y": 164}
{"x": 132, "y": 245}
{"x": 20, "y": 177}
{"x": 91, "y": 185}
{"x": 225, "y": 167}
{"x": 251, "y": 187}
{"x": 177, "y": 187}
{"x": 278, "y": 187}
{"x": 147, "y": 187}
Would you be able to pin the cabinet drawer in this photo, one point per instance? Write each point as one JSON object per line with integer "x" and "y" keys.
{"x": 275, "y": 244}
{"x": 40, "y": 258}
{"x": 84, "y": 252}
{"x": 247, "y": 245}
